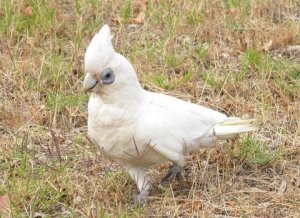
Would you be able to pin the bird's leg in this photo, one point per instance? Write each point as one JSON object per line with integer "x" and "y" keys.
{"x": 143, "y": 184}
{"x": 174, "y": 172}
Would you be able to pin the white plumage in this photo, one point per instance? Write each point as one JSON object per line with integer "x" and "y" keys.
{"x": 138, "y": 128}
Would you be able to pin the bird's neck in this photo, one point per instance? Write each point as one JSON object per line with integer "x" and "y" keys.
{"x": 130, "y": 98}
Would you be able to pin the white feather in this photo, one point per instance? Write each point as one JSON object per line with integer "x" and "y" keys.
{"x": 100, "y": 51}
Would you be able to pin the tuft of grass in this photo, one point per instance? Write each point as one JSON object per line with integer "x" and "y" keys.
{"x": 230, "y": 4}
{"x": 201, "y": 52}
{"x": 281, "y": 72}
{"x": 127, "y": 10}
{"x": 171, "y": 83}
{"x": 255, "y": 152}
{"x": 174, "y": 61}
{"x": 33, "y": 186}
{"x": 209, "y": 77}
{"x": 61, "y": 102}
{"x": 253, "y": 59}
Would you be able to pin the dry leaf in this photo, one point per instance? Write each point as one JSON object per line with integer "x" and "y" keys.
{"x": 283, "y": 186}
{"x": 143, "y": 5}
{"x": 283, "y": 40}
{"x": 267, "y": 46}
{"x": 235, "y": 12}
{"x": 39, "y": 215}
{"x": 141, "y": 17}
{"x": 4, "y": 204}
{"x": 28, "y": 11}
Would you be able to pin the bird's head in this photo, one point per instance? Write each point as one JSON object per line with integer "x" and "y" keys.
{"x": 108, "y": 73}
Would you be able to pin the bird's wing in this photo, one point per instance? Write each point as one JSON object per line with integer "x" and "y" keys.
{"x": 175, "y": 127}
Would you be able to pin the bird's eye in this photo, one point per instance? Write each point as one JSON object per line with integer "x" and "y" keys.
{"x": 107, "y": 76}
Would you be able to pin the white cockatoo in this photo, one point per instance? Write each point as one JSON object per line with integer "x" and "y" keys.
{"x": 138, "y": 128}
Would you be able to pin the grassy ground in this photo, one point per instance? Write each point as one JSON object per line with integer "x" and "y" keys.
{"x": 236, "y": 56}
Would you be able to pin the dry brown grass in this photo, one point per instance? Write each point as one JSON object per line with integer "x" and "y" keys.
{"x": 230, "y": 55}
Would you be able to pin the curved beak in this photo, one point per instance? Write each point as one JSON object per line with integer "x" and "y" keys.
{"x": 89, "y": 82}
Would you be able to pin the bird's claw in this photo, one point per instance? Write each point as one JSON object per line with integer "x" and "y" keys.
{"x": 174, "y": 172}
{"x": 139, "y": 200}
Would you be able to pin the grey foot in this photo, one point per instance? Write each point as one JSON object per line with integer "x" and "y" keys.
{"x": 139, "y": 200}
{"x": 174, "y": 172}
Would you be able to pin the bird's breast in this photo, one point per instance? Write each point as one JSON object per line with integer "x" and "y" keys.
{"x": 116, "y": 137}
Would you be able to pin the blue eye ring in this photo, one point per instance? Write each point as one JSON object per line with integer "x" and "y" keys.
{"x": 107, "y": 76}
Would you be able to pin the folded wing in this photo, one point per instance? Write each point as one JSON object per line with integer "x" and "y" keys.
{"x": 176, "y": 127}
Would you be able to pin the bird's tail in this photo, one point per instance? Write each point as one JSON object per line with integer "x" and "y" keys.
{"x": 229, "y": 128}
